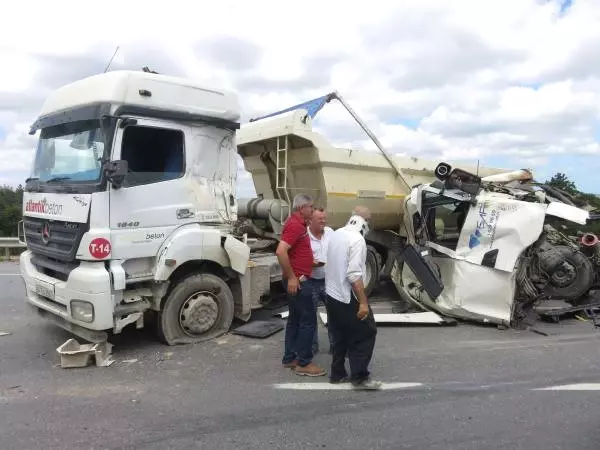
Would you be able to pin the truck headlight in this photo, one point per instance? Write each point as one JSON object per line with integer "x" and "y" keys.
{"x": 82, "y": 311}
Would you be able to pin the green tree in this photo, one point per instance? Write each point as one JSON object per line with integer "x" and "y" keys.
{"x": 11, "y": 200}
{"x": 561, "y": 181}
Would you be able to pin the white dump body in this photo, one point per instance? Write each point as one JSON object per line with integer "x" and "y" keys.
{"x": 338, "y": 178}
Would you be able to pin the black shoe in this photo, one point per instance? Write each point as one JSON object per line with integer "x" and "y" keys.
{"x": 339, "y": 380}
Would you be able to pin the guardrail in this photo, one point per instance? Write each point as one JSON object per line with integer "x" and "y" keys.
{"x": 7, "y": 243}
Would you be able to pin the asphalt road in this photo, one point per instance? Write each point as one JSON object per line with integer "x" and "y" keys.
{"x": 472, "y": 387}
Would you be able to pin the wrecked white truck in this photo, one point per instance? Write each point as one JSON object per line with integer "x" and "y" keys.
{"x": 131, "y": 213}
{"x": 497, "y": 244}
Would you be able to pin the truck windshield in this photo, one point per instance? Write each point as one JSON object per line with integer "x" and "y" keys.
{"x": 71, "y": 151}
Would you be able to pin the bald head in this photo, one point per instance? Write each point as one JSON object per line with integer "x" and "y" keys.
{"x": 362, "y": 211}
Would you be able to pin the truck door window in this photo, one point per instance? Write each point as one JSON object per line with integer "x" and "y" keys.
{"x": 445, "y": 222}
{"x": 152, "y": 154}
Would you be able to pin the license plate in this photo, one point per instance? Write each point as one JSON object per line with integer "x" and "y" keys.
{"x": 44, "y": 290}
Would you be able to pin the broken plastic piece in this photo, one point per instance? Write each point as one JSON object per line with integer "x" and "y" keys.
{"x": 282, "y": 314}
{"x": 73, "y": 354}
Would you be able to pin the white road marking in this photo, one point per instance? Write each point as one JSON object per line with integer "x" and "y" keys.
{"x": 10, "y": 274}
{"x": 339, "y": 387}
{"x": 572, "y": 387}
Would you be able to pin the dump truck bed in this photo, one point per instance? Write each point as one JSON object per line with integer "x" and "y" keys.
{"x": 285, "y": 157}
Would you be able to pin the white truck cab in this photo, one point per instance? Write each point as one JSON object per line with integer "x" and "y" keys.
{"x": 129, "y": 207}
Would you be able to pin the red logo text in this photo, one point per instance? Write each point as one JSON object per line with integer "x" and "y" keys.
{"x": 44, "y": 207}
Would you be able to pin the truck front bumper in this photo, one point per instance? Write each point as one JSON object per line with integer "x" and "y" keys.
{"x": 85, "y": 300}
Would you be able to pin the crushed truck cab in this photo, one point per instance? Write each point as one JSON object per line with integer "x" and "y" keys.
{"x": 496, "y": 245}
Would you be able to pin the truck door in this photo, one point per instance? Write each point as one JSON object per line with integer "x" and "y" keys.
{"x": 143, "y": 211}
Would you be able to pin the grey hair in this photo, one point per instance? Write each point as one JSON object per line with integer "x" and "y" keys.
{"x": 301, "y": 200}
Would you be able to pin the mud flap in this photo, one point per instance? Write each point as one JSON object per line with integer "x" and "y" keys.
{"x": 260, "y": 328}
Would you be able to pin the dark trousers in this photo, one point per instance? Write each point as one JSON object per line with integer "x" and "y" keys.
{"x": 301, "y": 325}
{"x": 352, "y": 337}
{"x": 319, "y": 296}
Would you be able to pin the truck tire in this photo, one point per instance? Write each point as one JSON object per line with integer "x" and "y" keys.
{"x": 573, "y": 280}
{"x": 200, "y": 307}
{"x": 373, "y": 267}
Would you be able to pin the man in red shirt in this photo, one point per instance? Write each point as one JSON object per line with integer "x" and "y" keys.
{"x": 296, "y": 260}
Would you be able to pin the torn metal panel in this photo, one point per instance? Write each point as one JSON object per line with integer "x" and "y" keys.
{"x": 490, "y": 299}
{"x": 568, "y": 212}
{"x": 475, "y": 292}
{"x": 389, "y": 318}
{"x": 498, "y": 229}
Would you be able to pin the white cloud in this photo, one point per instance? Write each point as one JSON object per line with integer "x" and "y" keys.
{"x": 476, "y": 79}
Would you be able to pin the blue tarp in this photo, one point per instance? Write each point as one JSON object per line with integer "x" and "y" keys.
{"x": 312, "y": 107}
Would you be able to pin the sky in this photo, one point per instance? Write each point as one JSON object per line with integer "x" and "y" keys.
{"x": 509, "y": 83}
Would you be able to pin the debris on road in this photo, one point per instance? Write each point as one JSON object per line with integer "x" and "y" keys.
{"x": 260, "y": 328}
{"x": 73, "y": 354}
{"x": 160, "y": 357}
{"x": 590, "y": 308}
{"x": 282, "y": 314}
{"x": 5, "y": 333}
{"x": 421, "y": 318}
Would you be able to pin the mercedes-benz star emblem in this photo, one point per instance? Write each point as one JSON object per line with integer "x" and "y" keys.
{"x": 46, "y": 233}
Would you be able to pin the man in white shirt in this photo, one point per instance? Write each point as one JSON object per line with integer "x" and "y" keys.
{"x": 319, "y": 234}
{"x": 349, "y": 316}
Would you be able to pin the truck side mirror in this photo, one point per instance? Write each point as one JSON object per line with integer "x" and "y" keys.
{"x": 116, "y": 171}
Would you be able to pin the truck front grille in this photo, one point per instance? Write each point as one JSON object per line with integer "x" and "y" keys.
{"x": 59, "y": 243}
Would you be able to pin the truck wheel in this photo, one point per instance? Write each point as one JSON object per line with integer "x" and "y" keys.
{"x": 199, "y": 308}
{"x": 373, "y": 267}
